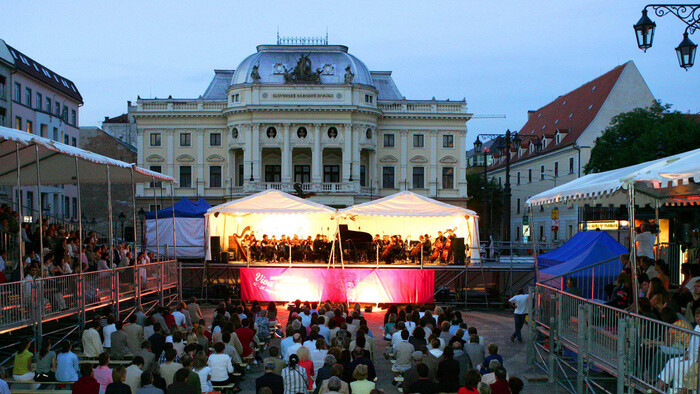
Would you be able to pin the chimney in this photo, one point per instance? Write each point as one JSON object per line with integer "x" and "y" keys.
{"x": 530, "y": 113}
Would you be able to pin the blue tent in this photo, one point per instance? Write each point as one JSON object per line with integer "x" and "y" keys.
{"x": 183, "y": 209}
{"x": 584, "y": 249}
{"x": 189, "y": 229}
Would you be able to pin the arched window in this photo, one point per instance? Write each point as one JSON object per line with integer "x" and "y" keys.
{"x": 234, "y": 133}
{"x": 301, "y": 132}
{"x": 271, "y": 132}
{"x": 368, "y": 133}
{"x": 332, "y": 132}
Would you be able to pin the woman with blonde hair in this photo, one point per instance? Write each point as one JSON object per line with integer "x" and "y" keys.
{"x": 201, "y": 368}
{"x": 201, "y": 338}
{"x": 305, "y": 361}
{"x": 361, "y": 385}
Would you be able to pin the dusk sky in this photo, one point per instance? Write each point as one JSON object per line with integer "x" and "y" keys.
{"x": 504, "y": 57}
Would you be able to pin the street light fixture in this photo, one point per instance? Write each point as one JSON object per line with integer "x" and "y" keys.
{"x": 688, "y": 13}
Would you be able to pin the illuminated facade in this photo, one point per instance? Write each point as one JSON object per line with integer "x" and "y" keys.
{"x": 307, "y": 114}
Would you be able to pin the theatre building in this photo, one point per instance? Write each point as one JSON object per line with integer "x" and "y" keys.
{"x": 302, "y": 116}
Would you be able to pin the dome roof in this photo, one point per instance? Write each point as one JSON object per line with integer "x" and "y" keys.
{"x": 272, "y": 60}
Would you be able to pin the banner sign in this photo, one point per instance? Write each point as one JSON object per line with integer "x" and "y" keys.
{"x": 338, "y": 285}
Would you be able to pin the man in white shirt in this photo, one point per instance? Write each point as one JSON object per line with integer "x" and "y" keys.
{"x": 396, "y": 336}
{"x": 133, "y": 374}
{"x": 323, "y": 329}
{"x": 107, "y": 331}
{"x": 179, "y": 316}
{"x": 521, "y": 302}
{"x": 92, "y": 345}
{"x": 294, "y": 347}
{"x": 286, "y": 343}
{"x": 645, "y": 242}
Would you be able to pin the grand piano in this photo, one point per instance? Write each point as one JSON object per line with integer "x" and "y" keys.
{"x": 357, "y": 245}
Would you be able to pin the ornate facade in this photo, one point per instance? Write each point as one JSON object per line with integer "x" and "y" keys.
{"x": 303, "y": 117}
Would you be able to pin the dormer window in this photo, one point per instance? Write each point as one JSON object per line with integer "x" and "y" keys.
{"x": 235, "y": 98}
{"x": 557, "y": 138}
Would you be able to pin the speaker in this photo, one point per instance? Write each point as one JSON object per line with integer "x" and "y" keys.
{"x": 215, "y": 248}
{"x": 459, "y": 251}
{"x": 129, "y": 234}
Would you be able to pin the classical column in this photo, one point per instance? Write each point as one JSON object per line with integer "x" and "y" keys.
{"x": 432, "y": 181}
{"x": 286, "y": 161}
{"x": 372, "y": 171}
{"x": 170, "y": 160}
{"x": 356, "y": 157}
{"x": 461, "y": 173}
{"x": 317, "y": 156}
{"x": 347, "y": 154}
{"x": 200, "y": 162}
{"x": 245, "y": 133}
{"x": 255, "y": 135}
{"x": 403, "y": 182}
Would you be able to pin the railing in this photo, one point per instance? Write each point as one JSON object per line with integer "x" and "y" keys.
{"x": 634, "y": 349}
{"x": 30, "y": 301}
{"x": 594, "y": 281}
{"x": 168, "y": 105}
{"x": 328, "y": 187}
{"x": 423, "y": 107}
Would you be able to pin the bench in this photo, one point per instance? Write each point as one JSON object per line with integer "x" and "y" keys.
{"x": 29, "y": 391}
{"x": 225, "y": 388}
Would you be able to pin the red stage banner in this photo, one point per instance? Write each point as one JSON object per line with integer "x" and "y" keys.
{"x": 388, "y": 286}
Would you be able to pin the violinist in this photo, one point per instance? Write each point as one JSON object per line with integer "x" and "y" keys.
{"x": 416, "y": 249}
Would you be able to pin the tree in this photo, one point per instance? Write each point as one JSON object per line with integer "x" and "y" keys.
{"x": 644, "y": 134}
{"x": 487, "y": 202}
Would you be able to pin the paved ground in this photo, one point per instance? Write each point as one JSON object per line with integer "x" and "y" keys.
{"x": 496, "y": 326}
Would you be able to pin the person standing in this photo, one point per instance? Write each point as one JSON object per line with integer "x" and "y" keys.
{"x": 646, "y": 241}
{"x": 521, "y": 303}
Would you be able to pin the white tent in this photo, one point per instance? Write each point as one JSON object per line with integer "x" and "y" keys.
{"x": 270, "y": 212}
{"x": 412, "y": 215}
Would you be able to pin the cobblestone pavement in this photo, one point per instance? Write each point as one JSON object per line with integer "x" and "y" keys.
{"x": 494, "y": 326}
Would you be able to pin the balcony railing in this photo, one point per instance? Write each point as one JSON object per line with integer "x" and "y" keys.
{"x": 288, "y": 187}
{"x": 423, "y": 107}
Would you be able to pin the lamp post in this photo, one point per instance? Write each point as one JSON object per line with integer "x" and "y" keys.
{"x": 505, "y": 144}
{"x": 688, "y": 13}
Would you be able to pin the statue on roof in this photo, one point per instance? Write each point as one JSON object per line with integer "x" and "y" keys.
{"x": 303, "y": 72}
{"x": 255, "y": 74}
{"x": 349, "y": 76}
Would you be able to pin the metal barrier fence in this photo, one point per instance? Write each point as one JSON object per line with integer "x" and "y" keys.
{"x": 32, "y": 301}
{"x": 595, "y": 281}
{"x": 640, "y": 353}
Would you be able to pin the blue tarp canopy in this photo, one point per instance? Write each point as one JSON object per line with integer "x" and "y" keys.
{"x": 584, "y": 249}
{"x": 183, "y": 209}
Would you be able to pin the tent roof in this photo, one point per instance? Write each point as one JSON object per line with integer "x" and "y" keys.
{"x": 57, "y": 162}
{"x": 406, "y": 203}
{"x": 183, "y": 209}
{"x": 668, "y": 179}
{"x": 270, "y": 201}
{"x": 583, "y": 249}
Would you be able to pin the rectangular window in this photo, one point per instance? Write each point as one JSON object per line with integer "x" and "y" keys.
{"x": 517, "y": 233}
{"x": 556, "y": 168}
{"x": 56, "y": 134}
{"x": 64, "y": 114}
{"x": 28, "y": 97}
{"x": 273, "y": 173}
{"x": 448, "y": 141}
{"x": 156, "y": 169}
{"x": 73, "y": 117}
{"x": 73, "y": 141}
{"x": 418, "y": 177}
{"x": 18, "y": 93}
{"x": 3, "y": 113}
{"x": 363, "y": 175}
{"x": 44, "y": 130}
{"x": 388, "y": 140}
{"x": 185, "y": 176}
{"x": 529, "y": 175}
{"x": 418, "y": 140}
{"x": 3, "y": 86}
{"x": 57, "y": 107}
{"x": 448, "y": 177}
{"x": 302, "y": 173}
{"x": 517, "y": 181}
{"x": 30, "y": 127}
{"x": 49, "y": 103}
{"x": 39, "y": 101}
{"x": 66, "y": 206}
{"x": 185, "y": 139}
{"x": 66, "y": 139}
{"x": 75, "y": 208}
{"x": 155, "y": 139}
{"x": 331, "y": 173}
{"x": 215, "y": 139}
{"x": 30, "y": 202}
{"x": 154, "y": 207}
{"x": 240, "y": 175}
{"x": 215, "y": 176}
{"x": 18, "y": 123}
{"x": 388, "y": 177}
{"x": 571, "y": 165}
{"x": 517, "y": 206}
{"x": 541, "y": 173}
{"x": 369, "y": 98}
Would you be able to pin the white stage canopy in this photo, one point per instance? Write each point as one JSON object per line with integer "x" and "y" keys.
{"x": 57, "y": 163}
{"x": 412, "y": 215}
{"x": 671, "y": 180}
{"x": 270, "y": 212}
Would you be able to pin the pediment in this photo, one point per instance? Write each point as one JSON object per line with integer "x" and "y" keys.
{"x": 388, "y": 159}
{"x": 418, "y": 159}
{"x": 185, "y": 159}
{"x": 155, "y": 159}
{"x": 448, "y": 160}
{"x": 215, "y": 159}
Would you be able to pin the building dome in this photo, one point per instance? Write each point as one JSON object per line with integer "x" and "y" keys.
{"x": 273, "y": 61}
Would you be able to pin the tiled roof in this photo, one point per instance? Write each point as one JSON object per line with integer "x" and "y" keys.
{"x": 570, "y": 113}
{"x": 29, "y": 66}
{"x": 123, "y": 118}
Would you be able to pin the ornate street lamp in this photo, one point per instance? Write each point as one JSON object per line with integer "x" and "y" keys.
{"x": 686, "y": 52}
{"x": 688, "y": 13}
